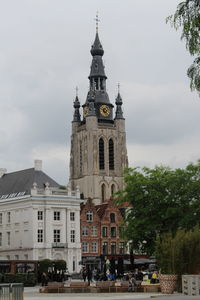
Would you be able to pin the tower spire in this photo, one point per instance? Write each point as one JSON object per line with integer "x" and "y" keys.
{"x": 77, "y": 116}
{"x": 118, "y": 102}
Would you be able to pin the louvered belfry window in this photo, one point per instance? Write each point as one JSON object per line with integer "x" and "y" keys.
{"x": 101, "y": 154}
{"x": 111, "y": 154}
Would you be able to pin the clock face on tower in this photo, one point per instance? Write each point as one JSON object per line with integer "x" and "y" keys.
{"x": 104, "y": 110}
{"x": 85, "y": 111}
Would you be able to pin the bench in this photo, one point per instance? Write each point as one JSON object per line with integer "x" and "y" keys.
{"x": 78, "y": 284}
{"x": 151, "y": 287}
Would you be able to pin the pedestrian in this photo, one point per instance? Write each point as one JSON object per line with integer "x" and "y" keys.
{"x": 154, "y": 277}
{"x": 84, "y": 274}
{"x": 132, "y": 284}
{"x": 89, "y": 275}
{"x": 44, "y": 279}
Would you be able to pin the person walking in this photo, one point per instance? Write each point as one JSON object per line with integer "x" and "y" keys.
{"x": 89, "y": 275}
{"x": 84, "y": 274}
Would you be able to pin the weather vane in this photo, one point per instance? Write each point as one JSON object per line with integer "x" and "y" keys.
{"x": 97, "y": 21}
{"x": 118, "y": 87}
{"x": 76, "y": 91}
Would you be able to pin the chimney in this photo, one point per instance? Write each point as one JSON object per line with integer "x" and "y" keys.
{"x": 38, "y": 165}
{"x": 2, "y": 172}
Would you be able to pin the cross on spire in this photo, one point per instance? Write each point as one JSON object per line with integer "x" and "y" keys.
{"x": 97, "y": 21}
{"x": 76, "y": 91}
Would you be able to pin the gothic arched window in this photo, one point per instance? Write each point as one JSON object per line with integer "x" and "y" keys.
{"x": 111, "y": 154}
{"x": 103, "y": 192}
{"x": 113, "y": 190}
{"x": 101, "y": 154}
{"x": 81, "y": 158}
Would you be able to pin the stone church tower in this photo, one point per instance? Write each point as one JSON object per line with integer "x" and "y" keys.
{"x": 98, "y": 141}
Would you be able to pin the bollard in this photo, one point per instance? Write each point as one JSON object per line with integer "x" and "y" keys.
{"x": 5, "y": 291}
{"x": 17, "y": 290}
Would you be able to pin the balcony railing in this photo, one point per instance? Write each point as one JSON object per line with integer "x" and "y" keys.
{"x": 59, "y": 245}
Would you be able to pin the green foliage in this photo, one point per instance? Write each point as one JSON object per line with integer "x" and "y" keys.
{"x": 179, "y": 254}
{"x": 160, "y": 200}
{"x": 44, "y": 265}
{"x": 28, "y": 279}
{"x": 60, "y": 265}
{"x": 62, "y": 187}
{"x": 187, "y": 16}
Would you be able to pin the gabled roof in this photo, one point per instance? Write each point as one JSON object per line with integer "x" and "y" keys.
{"x": 101, "y": 209}
{"x": 22, "y": 181}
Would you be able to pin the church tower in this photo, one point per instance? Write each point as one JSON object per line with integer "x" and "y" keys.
{"x": 98, "y": 141}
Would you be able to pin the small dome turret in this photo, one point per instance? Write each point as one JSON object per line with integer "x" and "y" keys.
{"x": 97, "y": 48}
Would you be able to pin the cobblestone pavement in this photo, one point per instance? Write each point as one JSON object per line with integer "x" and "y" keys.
{"x": 33, "y": 294}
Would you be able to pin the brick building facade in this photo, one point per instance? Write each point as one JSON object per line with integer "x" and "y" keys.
{"x": 101, "y": 233}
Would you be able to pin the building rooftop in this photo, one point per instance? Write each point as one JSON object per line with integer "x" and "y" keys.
{"x": 22, "y": 181}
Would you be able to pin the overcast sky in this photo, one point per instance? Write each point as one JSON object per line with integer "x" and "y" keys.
{"x": 45, "y": 54}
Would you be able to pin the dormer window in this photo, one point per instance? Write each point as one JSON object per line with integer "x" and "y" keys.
{"x": 89, "y": 216}
{"x": 112, "y": 217}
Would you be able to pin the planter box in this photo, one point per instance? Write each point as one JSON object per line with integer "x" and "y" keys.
{"x": 191, "y": 285}
{"x": 168, "y": 283}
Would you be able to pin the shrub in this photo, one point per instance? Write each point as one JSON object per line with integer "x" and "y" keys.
{"x": 179, "y": 254}
{"x": 28, "y": 279}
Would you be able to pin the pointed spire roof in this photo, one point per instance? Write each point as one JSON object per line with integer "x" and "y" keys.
{"x": 97, "y": 48}
{"x": 118, "y": 102}
{"x": 77, "y": 116}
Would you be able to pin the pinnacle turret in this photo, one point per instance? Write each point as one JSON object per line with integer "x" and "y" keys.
{"x": 118, "y": 102}
{"x": 77, "y": 116}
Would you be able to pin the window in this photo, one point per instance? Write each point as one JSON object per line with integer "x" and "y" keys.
{"x": 72, "y": 236}
{"x": 1, "y": 218}
{"x": 113, "y": 189}
{"x": 94, "y": 231}
{"x": 111, "y": 154}
{"x": 40, "y": 235}
{"x": 16, "y": 257}
{"x": 56, "y": 235}
{"x": 103, "y": 192}
{"x": 121, "y": 248}
{"x": 105, "y": 248}
{"x": 8, "y": 238}
{"x": 0, "y": 239}
{"x": 113, "y": 231}
{"x": 89, "y": 216}
{"x": 81, "y": 158}
{"x": 112, "y": 217}
{"x": 8, "y": 217}
{"x": 57, "y": 215}
{"x": 113, "y": 248}
{"x": 104, "y": 231}
{"x": 94, "y": 247}
{"x": 101, "y": 154}
{"x": 85, "y": 247}
{"x": 72, "y": 216}
{"x": 121, "y": 232}
{"x": 74, "y": 263}
{"x": 40, "y": 215}
{"x": 26, "y": 256}
{"x": 85, "y": 230}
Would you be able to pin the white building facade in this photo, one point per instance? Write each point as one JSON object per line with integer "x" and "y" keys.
{"x": 42, "y": 224}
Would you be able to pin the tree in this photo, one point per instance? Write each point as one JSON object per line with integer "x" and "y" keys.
{"x": 160, "y": 200}
{"x": 187, "y": 16}
{"x": 45, "y": 265}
